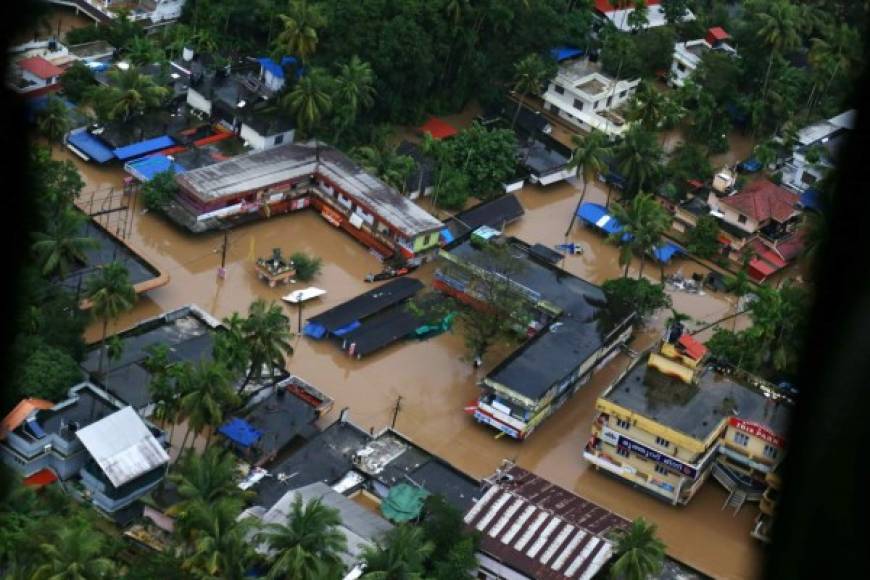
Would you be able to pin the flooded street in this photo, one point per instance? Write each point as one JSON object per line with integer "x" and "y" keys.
{"x": 431, "y": 377}
{"x": 57, "y": 21}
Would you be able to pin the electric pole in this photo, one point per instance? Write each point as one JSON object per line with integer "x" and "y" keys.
{"x": 222, "y": 271}
{"x": 396, "y": 412}
{"x": 299, "y": 309}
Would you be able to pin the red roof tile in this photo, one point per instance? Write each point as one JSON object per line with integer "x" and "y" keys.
{"x": 17, "y": 415}
{"x": 792, "y": 247}
{"x": 694, "y": 349}
{"x": 717, "y": 33}
{"x": 40, "y": 67}
{"x": 41, "y": 478}
{"x": 759, "y": 269}
{"x": 438, "y": 129}
{"x": 763, "y": 200}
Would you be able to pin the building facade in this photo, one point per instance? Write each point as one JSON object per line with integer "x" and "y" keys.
{"x": 688, "y": 55}
{"x": 816, "y": 151}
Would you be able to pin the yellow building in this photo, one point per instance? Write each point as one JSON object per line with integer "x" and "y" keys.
{"x": 768, "y": 505}
{"x": 663, "y": 423}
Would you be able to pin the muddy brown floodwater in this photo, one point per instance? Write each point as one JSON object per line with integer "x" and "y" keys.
{"x": 57, "y": 20}
{"x": 431, "y": 377}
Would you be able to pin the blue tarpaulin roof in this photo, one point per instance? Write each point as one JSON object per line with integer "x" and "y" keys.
{"x": 597, "y": 215}
{"x": 143, "y": 147}
{"x": 275, "y": 68}
{"x": 666, "y": 251}
{"x": 91, "y": 146}
{"x": 345, "y": 329}
{"x": 561, "y": 53}
{"x": 810, "y": 199}
{"x": 240, "y": 431}
{"x": 751, "y": 165}
{"x": 314, "y": 330}
{"x": 146, "y": 168}
{"x": 446, "y": 235}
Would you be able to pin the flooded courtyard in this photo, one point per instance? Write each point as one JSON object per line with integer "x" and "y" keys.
{"x": 431, "y": 377}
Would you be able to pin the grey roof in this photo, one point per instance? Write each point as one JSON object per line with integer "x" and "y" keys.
{"x": 122, "y": 446}
{"x": 542, "y": 155}
{"x": 695, "y": 410}
{"x": 284, "y": 163}
{"x": 360, "y": 527}
{"x": 495, "y": 213}
{"x": 423, "y": 175}
{"x": 267, "y": 123}
{"x": 94, "y": 49}
{"x": 281, "y": 417}
{"x": 85, "y": 405}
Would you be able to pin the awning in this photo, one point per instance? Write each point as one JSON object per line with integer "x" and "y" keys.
{"x": 665, "y": 252}
{"x": 91, "y": 146}
{"x": 347, "y": 328}
{"x": 597, "y": 215}
{"x": 331, "y": 216}
{"x": 146, "y": 168}
{"x": 694, "y": 349}
{"x": 298, "y": 296}
{"x": 143, "y": 147}
{"x": 41, "y": 478}
{"x": 759, "y": 269}
{"x": 446, "y": 236}
{"x": 240, "y": 432}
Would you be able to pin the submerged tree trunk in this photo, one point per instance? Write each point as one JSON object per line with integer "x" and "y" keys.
{"x": 103, "y": 348}
{"x": 642, "y": 263}
{"x": 519, "y": 106}
{"x": 579, "y": 203}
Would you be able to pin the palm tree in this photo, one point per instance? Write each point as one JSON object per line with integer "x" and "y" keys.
{"x": 110, "y": 294}
{"x": 740, "y": 286}
{"x": 354, "y": 90}
{"x": 63, "y": 246}
{"x": 638, "y": 18}
{"x": 671, "y": 114}
{"x": 589, "y": 159}
{"x": 310, "y": 99}
{"x": 530, "y": 74}
{"x": 268, "y": 334}
{"x": 54, "y": 121}
{"x": 141, "y": 51}
{"x": 638, "y": 157}
{"x": 676, "y": 318}
{"x": 777, "y": 319}
{"x": 401, "y": 555}
{"x": 640, "y": 553}
{"x": 298, "y": 36}
{"x": 231, "y": 346}
{"x": 384, "y": 162}
{"x": 74, "y": 553}
{"x": 115, "y": 350}
{"x": 205, "y": 478}
{"x": 644, "y": 222}
{"x": 216, "y": 542}
{"x": 308, "y": 544}
{"x": 132, "y": 93}
{"x": 778, "y": 30}
{"x": 207, "y": 393}
{"x": 837, "y": 51}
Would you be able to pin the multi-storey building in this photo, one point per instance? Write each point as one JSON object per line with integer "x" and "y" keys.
{"x": 688, "y": 55}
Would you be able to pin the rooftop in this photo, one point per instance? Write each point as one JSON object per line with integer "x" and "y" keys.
{"x": 95, "y": 49}
{"x": 818, "y": 131}
{"x": 763, "y": 200}
{"x": 580, "y": 72}
{"x": 40, "y": 67}
{"x": 363, "y": 306}
{"x": 695, "y": 409}
{"x": 495, "y": 213}
{"x": 540, "y": 529}
{"x": 281, "y": 417}
{"x": 423, "y": 175}
{"x": 268, "y": 123}
{"x": 542, "y": 154}
{"x": 85, "y": 405}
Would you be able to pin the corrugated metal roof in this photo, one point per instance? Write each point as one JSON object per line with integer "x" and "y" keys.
{"x": 122, "y": 446}
{"x": 541, "y": 529}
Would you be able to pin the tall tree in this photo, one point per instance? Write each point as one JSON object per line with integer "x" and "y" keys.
{"x": 739, "y": 286}
{"x": 54, "y": 121}
{"x": 299, "y": 30}
{"x": 310, "y": 100}
{"x": 217, "y": 542}
{"x": 401, "y": 555}
{"x": 205, "y": 478}
{"x": 530, "y": 75}
{"x": 110, "y": 294}
{"x": 309, "y": 545}
{"x": 639, "y": 553}
{"x": 207, "y": 393}
{"x": 638, "y": 157}
{"x": 267, "y": 330}
{"x": 74, "y": 552}
{"x": 674, "y": 10}
{"x": 385, "y": 162}
{"x": 644, "y": 221}
{"x": 354, "y": 91}
{"x": 638, "y": 19}
{"x": 63, "y": 246}
{"x": 141, "y": 51}
{"x": 778, "y": 30}
{"x": 588, "y": 159}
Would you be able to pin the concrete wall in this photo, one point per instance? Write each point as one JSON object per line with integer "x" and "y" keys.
{"x": 198, "y": 101}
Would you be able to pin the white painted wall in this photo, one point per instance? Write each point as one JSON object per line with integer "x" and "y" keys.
{"x": 198, "y": 101}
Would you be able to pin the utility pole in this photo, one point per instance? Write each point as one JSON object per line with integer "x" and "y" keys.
{"x": 396, "y": 412}
{"x": 299, "y": 309}
{"x": 222, "y": 271}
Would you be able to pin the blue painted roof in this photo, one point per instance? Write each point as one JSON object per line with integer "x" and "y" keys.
{"x": 595, "y": 214}
{"x": 275, "y": 68}
{"x": 145, "y": 168}
{"x": 446, "y": 236}
{"x": 810, "y": 199}
{"x": 314, "y": 330}
{"x": 751, "y": 165}
{"x": 666, "y": 251}
{"x": 143, "y": 147}
{"x": 561, "y": 53}
{"x": 240, "y": 432}
{"x": 347, "y": 328}
{"x": 91, "y": 146}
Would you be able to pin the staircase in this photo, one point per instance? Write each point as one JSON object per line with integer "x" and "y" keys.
{"x": 735, "y": 500}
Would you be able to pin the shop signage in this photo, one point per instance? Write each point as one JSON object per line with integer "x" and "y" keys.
{"x": 757, "y": 430}
{"x": 666, "y": 460}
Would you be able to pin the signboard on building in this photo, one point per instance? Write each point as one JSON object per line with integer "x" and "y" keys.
{"x": 666, "y": 460}
{"x": 757, "y": 430}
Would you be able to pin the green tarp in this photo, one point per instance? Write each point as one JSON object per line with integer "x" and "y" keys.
{"x": 403, "y": 503}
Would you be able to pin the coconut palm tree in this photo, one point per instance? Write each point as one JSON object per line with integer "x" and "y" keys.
{"x": 638, "y": 19}
{"x": 354, "y": 91}
{"x": 638, "y": 157}
{"x": 132, "y": 93}
{"x": 63, "y": 246}
{"x": 308, "y": 545}
{"x": 268, "y": 334}
{"x": 206, "y": 394}
{"x": 310, "y": 100}
{"x": 215, "y": 542}
{"x": 672, "y": 113}
{"x": 530, "y": 74}
{"x": 647, "y": 107}
{"x": 836, "y": 52}
{"x": 75, "y": 552}
{"x": 299, "y": 30}
{"x": 644, "y": 222}
{"x": 778, "y": 316}
{"x": 205, "y": 478}
{"x": 639, "y": 553}
{"x": 231, "y": 346}
{"x": 740, "y": 286}
{"x": 778, "y": 30}
{"x": 383, "y": 160}
{"x": 401, "y": 555}
{"x": 141, "y": 51}
{"x": 676, "y": 318}
{"x": 588, "y": 158}
{"x": 110, "y": 294}
{"x": 54, "y": 121}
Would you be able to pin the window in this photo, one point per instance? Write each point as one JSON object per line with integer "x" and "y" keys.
{"x": 609, "y": 101}
{"x": 279, "y": 139}
{"x": 770, "y": 451}
{"x": 681, "y": 67}
{"x": 622, "y": 94}
{"x": 663, "y": 442}
{"x": 559, "y": 89}
{"x": 808, "y": 178}
{"x": 741, "y": 439}
{"x": 623, "y": 424}
{"x": 623, "y": 451}
{"x": 741, "y": 219}
{"x": 578, "y": 104}
{"x": 662, "y": 470}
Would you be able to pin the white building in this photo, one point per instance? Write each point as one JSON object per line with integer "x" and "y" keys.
{"x": 688, "y": 55}
{"x": 34, "y": 76}
{"x": 155, "y": 11}
{"x": 587, "y": 98}
{"x": 618, "y": 15}
{"x": 816, "y": 151}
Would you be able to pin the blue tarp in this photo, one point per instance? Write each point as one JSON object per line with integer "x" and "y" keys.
{"x": 751, "y": 165}
{"x": 595, "y": 214}
{"x": 446, "y": 236}
{"x": 666, "y": 251}
{"x": 314, "y": 330}
{"x": 561, "y": 53}
{"x": 91, "y": 146}
{"x": 345, "y": 329}
{"x": 275, "y": 68}
{"x": 97, "y": 66}
{"x": 240, "y": 432}
{"x": 810, "y": 199}
{"x": 143, "y": 147}
{"x": 146, "y": 168}
{"x": 35, "y": 428}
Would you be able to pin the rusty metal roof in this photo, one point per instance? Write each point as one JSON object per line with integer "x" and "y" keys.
{"x": 540, "y": 529}
{"x": 122, "y": 446}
